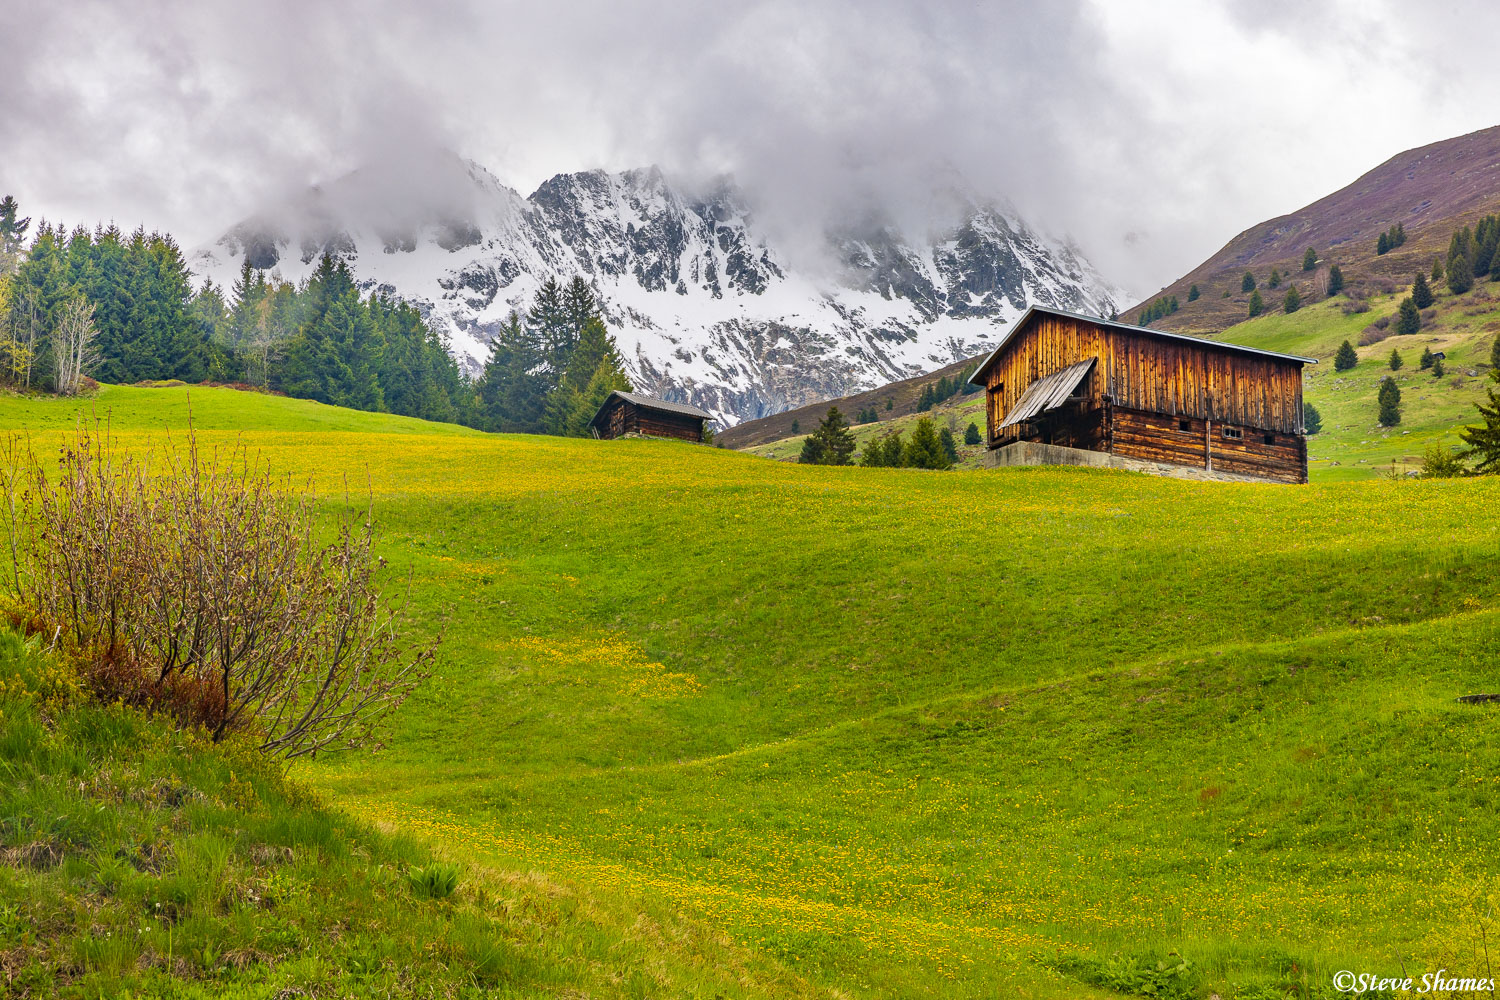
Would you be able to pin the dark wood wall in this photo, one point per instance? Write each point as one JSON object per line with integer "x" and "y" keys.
{"x": 624, "y": 417}
{"x": 1156, "y": 399}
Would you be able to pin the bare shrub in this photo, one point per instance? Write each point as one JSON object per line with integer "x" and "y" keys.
{"x": 1375, "y": 332}
{"x": 204, "y": 590}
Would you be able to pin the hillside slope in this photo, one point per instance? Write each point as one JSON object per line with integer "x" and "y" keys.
{"x": 1431, "y": 190}
{"x": 870, "y": 726}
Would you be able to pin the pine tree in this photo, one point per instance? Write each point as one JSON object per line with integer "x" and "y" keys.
{"x": 925, "y": 449}
{"x": 812, "y": 451}
{"x": 12, "y": 235}
{"x": 1309, "y": 259}
{"x": 1408, "y": 318}
{"x": 1427, "y": 359}
{"x": 1383, "y": 245}
{"x": 834, "y": 444}
{"x": 948, "y": 444}
{"x": 1389, "y": 399}
{"x": 1346, "y": 358}
{"x": 1312, "y": 420}
{"x": 796, "y": 427}
{"x": 1395, "y": 360}
{"x": 1293, "y": 300}
{"x": 1460, "y": 277}
{"x": 888, "y": 404}
{"x": 1247, "y": 283}
{"x": 549, "y": 324}
{"x": 1421, "y": 292}
{"x": 1483, "y": 439}
{"x": 1275, "y": 279}
{"x": 1257, "y": 304}
{"x": 1193, "y": 294}
{"x": 511, "y": 394}
{"x": 1400, "y": 236}
{"x": 1335, "y": 279}
{"x": 971, "y": 434}
{"x": 1437, "y": 368}
{"x": 595, "y": 346}
{"x": 1437, "y": 270}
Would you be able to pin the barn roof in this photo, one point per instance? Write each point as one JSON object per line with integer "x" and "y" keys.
{"x": 1148, "y": 331}
{"x": 650, "y": 403}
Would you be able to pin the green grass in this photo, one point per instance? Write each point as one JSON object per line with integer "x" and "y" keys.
{"x": 1024, "y": 732}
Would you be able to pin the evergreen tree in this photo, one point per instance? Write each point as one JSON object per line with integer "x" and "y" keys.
{"x": 1312, "y": 420}
{"x": 1247, "y": 283}
{"x": 888, "y": 404}
{"x": 1275, "y": 279}
{"x": 948, "y": 444}
{"x": 1193, "y": 294}
{"x": 1408, "y": 318}
{"x": 895, "y": 450}
{"x": 1437, "y": 270}
{"x": 1257, "y": 304}
{"x": 1399, "y": 238}
{"x": 12, "y": 235}
{"x": 511, "y": 394}
{"x": 1427, "y": 359}
{"x": 1437, "y": 368}
{"x": 1460, "y": 277}
{"x": 925, "y": 449}
{"x": 1495, "y": 354}
{"x": 1389, "y": 399}
{"x": 1483, "y": 439}
{"x": 1421, "y": 292}
{"x": 1293, "y": 300}
{"x": 831, "y": 443}
{"x": 1346, "y": 358}
{"x": 1383, "y": 245}
{"x": 549, "y": 325}
{"x": 1395, "y": 360}
{"x": 1309, "y": 259}
{"x": 812, "y": 451}
{"x": 1335, "y": 279}
{"x": 971, "y": 434}
{"x": 595, "y": 346}
{"x": 796, "y": 427}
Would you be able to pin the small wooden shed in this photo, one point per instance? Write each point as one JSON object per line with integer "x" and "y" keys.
{"x": 1081, "y": 382}
{"x": 627, "y": 413}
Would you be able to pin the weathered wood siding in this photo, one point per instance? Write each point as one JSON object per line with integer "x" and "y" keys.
{"x": 1158, "y": 399}
{"x": 1156, "y": 437}
{"x": 624, "y": 418}
{"x": 1141, "y": 372}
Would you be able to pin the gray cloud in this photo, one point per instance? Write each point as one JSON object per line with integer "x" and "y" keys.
{"x": 1150, "y": 130}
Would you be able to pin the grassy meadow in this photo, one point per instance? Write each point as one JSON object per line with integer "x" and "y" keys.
{"x": 777, "y": 730}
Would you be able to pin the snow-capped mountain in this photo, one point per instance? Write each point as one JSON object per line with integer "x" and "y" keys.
{"x": 703, "y": 306}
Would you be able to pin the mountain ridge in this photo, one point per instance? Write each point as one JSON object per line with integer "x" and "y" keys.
{"x": 706, "y": 307}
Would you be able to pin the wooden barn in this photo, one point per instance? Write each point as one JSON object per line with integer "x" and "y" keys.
{"x": 1091, "y": 388}
{"x": 625, "y": 413}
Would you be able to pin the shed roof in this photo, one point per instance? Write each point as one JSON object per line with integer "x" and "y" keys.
{"x": 1048, "y": 392}
{"x": 1126, "y": 327}
{"x": 650, "y": 403}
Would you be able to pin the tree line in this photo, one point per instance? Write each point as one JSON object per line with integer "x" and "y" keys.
{"x": 122, "y": 308}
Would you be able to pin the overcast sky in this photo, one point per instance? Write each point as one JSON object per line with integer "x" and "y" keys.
{"x": 1151, "y": 131}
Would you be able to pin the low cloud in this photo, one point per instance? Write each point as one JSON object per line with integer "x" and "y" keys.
{"x": 1151, "y": 131}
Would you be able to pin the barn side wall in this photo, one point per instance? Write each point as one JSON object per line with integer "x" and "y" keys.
{"x": 1138, "y": 371}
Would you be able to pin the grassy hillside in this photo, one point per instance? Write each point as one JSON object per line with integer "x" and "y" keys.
{"x": 1431, "y": 191}
{"x": 1352, "y": 443}
{"x": 895, "y": 733}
